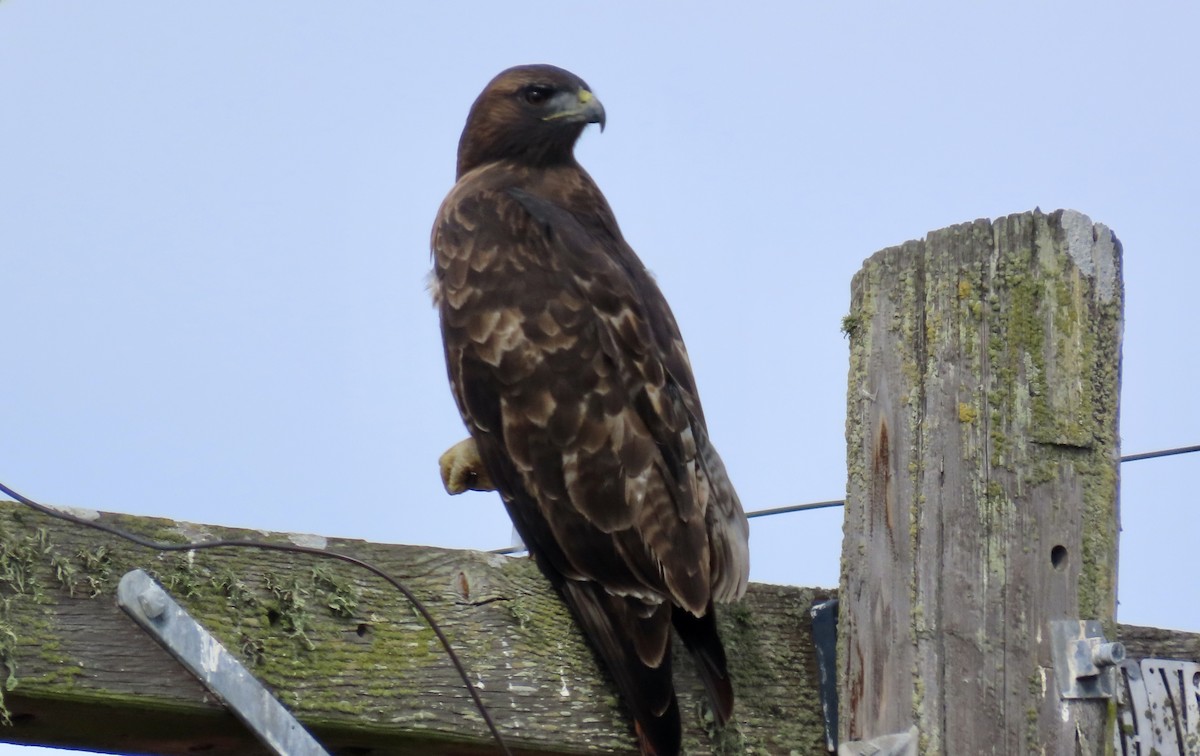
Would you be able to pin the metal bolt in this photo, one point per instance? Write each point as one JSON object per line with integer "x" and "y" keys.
{"x": 153, "y": 601}
{"x": 1108, "y": 654}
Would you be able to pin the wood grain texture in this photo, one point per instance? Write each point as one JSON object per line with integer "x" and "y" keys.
{"x": 348, "y": 656}
{"x": 1158, "y": 643}
{"x": 982, "y": 495}
{"x": 87, "y": 677}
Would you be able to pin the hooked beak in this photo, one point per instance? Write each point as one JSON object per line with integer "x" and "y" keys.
{"x": 576, "y": 107}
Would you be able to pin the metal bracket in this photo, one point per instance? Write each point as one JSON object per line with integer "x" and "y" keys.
{"x": 1083, "y": 659}
{"x": 157, "y": 613}
{"x": 824, "y": 629}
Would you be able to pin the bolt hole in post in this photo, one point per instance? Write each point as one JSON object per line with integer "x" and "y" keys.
{"x": 1058, "y": 557}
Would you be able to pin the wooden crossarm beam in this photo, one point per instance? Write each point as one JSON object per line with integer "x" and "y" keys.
{"x": 347, "y": 655}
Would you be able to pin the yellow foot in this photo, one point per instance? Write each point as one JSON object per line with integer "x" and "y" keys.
{"x": 462, "y": 469}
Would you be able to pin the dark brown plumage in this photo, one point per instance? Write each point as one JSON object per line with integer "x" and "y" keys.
{"x": 570, "y": 373}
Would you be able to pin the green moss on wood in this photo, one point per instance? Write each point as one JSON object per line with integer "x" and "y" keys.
{"x": 993, "y": 362}
{"x": 337, "y": 645}
{"x": 273, "y": 621}
{"x": 850, "y": 325}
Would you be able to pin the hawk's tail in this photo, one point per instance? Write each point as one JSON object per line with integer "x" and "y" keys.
{"x": 700, "y": 636}
{"x": 634, "y": 641}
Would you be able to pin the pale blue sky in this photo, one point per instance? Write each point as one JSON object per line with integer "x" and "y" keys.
{"x": 214, "y": 228}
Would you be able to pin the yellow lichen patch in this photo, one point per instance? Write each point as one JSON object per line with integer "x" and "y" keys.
{"x": 967, "y": 413}
{"x": 964, "y": 289}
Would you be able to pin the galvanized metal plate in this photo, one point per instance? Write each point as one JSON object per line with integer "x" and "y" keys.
{"x": 151, "y": 607}
{"x": 1083, "y": 660}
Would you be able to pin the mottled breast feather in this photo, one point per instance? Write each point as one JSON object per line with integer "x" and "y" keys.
{"x": 570, "y": 373}
{"x": 594, "y": 400}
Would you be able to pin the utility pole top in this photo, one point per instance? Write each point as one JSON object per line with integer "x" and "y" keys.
{"x": 982, "y": 444}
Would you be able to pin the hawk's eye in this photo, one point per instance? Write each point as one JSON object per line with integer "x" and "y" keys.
{"x": 536, "y": 94}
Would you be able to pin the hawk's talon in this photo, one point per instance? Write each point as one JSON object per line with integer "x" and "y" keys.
{"x": 462, "y": 469}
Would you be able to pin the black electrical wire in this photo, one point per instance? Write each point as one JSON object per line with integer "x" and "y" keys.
{"x": 458, "y": 666}
{"x": 841, "y": 502}
{"x": 198, "y": 545}
{"x": 1161, "y": 453}
{"x": 794, "y": 508}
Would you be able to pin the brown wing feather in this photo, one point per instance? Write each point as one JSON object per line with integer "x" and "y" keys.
{"x": 570, "y": 373}
{"x": 581, "y": 397}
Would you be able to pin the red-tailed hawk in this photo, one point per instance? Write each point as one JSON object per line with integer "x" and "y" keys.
{"x": 571, "y": 376}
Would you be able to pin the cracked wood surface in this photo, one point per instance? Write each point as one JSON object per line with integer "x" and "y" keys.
{"x": 366, "y": 678}
{"x": 345, "y": 653}
{"x": 983, "y": 479}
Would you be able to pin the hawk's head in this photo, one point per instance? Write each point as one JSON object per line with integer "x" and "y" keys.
{"x": 528, "y": 114}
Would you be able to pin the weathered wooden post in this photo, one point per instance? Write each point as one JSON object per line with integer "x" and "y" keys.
{"x": 982, "y": 498}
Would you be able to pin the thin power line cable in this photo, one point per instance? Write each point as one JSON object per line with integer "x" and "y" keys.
{"x": 1161, "y": 453}
{"x": 458, "y": 666}
{"x": 795, "y": 508}
{"x": 842, "y": 502}
{"x": 267, "y": 546}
